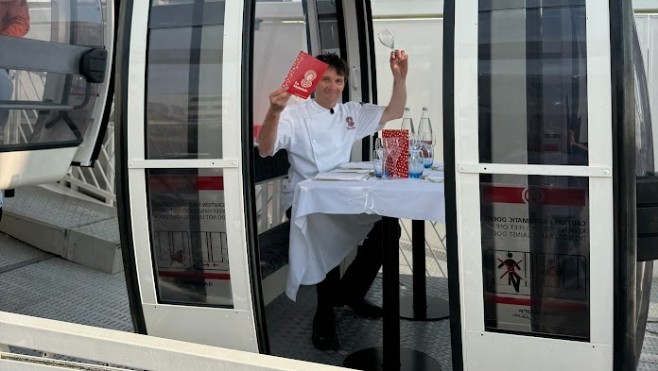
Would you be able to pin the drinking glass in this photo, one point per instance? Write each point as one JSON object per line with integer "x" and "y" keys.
{"x": 415, "y": 164}
{"x": 414, "y": 142}
{"x": 428, "y": 155}
{"x": 392, "y": 150}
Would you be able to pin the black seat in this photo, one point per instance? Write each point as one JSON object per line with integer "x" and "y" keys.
{"x": 273, "y": 245}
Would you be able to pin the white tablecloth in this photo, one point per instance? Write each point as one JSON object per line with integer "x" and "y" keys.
{"x": 330, "y": 218}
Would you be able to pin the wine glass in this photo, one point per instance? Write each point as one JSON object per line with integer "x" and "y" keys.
{"x": 378, "y": 162}
{"x": 378, "y": 143}
{"x": 415, "y": 141}
{"x": 392, "y": 151}
{"x": 386, "y": 38}
{"x": 427, "y": 137}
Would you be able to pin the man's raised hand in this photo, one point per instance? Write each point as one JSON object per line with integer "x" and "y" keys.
{"x": 399, "y": 64}
{"x": 279, "y": 99}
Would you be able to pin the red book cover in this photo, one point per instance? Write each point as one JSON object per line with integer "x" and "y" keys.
{"x": 304, "y": 75}
{"x": 396, "y": 143}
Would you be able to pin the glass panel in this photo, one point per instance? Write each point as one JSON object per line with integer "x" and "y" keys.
{"x": 418, "y": 31}
{"x": 535, "y": 255}
{"x": 188, "y": 236}
{"x": 643, "y": 128}
{"x": 279, "y": 34}
{"x": 184, "y": 83}
{"x": 330, "y": 32}
{"x": 533, "y": 82}
{"x": 41, "y": 107}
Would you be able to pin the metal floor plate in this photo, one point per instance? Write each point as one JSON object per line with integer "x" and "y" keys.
{"x": 58, "y": 289}
{"x": 290, "y": 327}
{"x": 13, "y": 254}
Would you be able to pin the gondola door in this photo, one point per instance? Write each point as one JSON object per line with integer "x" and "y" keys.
{"x": 540, "y": 154}
{"x": 181, "y": 169}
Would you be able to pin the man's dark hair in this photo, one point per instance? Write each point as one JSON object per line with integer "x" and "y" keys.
{"x": 335, "y": 62}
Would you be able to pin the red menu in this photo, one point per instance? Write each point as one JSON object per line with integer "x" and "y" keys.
{"x": 304, "y": 75}
{"x": 396, "y": 144}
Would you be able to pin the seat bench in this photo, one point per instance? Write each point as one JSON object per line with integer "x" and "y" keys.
{"x": 273, "y": 246}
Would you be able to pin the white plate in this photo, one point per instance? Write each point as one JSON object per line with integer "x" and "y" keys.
{"x": 342, "y": 176}
{"x": 363, "y": 165}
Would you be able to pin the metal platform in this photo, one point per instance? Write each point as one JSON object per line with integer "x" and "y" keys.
{"x": 42, "y": 284}
{"x": 79, "y": 230}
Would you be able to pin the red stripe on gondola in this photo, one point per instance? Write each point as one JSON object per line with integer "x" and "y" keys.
{"x": 182, "y": 183}
{"x": 210, "y": 183}
{"x": 506, "y": 195}
{"x": 542, "y": 196}
{"x": 205, "y": 275}
{"x": 529, "y": 302}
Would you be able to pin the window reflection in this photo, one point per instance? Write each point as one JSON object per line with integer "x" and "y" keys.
{"x": 184, "y": 95}
{"x": 533, "y": 83}
{"x": 188, "y": 236}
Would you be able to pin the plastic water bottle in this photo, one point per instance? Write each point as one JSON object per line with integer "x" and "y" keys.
{"x": 407, "y": 122}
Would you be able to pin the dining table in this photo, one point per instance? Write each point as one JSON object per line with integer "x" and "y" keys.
{"x": 332, "y": 213}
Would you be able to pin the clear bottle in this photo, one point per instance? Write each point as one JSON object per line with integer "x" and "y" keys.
{"x": 426, "y": 138}
{"x": 425, "y": 126}
{"x": 407, "y": 122}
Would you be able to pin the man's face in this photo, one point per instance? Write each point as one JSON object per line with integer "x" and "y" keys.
{"x": 330, "y": 89}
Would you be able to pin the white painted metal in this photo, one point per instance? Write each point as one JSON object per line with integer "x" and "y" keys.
{"x": 133, "y": 351}
{"x": 353, "y": 58}
{"x": 492, "y": 351}
{"x": 234, "y": 181}
{"x": 548, "y": 170}
{"x": 599, "y": 123}
{"x": 34, "y": 167}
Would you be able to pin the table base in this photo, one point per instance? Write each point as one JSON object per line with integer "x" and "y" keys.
{"x": 437, "y": 309}
{"x": 371, "y": 359}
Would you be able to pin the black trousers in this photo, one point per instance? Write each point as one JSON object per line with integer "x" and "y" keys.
{"x": 358, "y": 277}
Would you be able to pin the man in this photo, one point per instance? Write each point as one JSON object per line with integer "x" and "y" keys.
{"x": 318, "y": 135}
{"x": 14, "y": 21}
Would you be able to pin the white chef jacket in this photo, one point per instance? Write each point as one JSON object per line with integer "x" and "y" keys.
{"x": 318, "y": 141}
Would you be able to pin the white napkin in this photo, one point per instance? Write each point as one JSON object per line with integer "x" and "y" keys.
{"x": 338, "y": 175}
